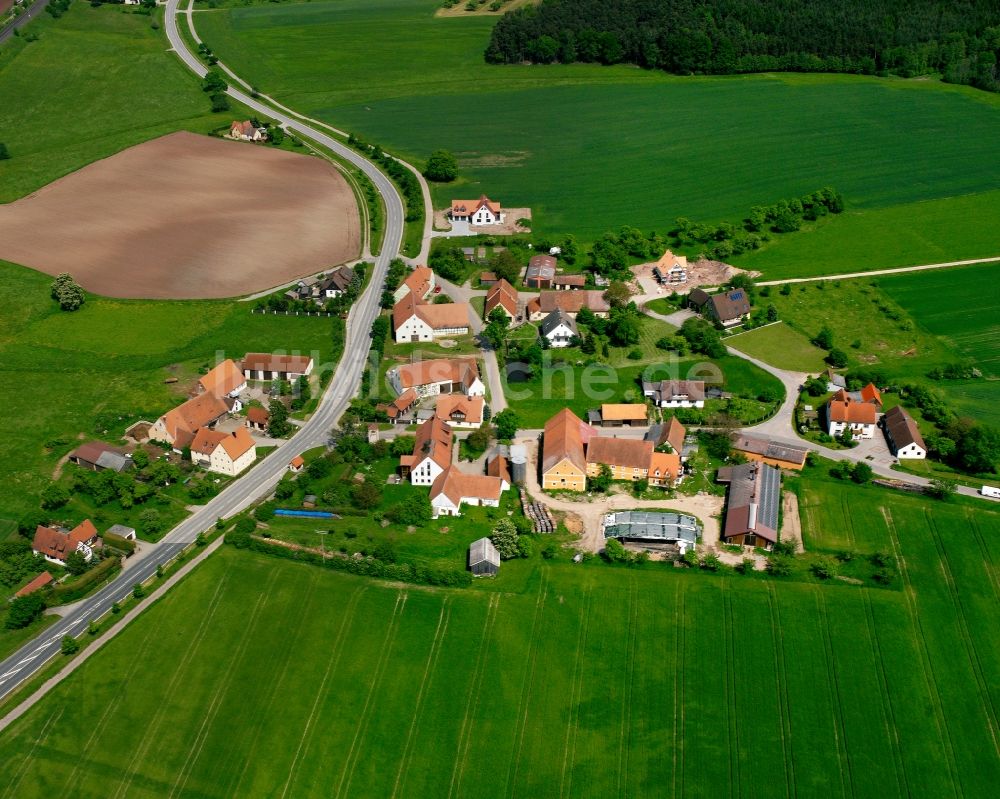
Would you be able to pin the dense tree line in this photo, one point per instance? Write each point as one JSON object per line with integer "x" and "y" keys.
{"x": 401, "y": 176}
{"x": 958, "y": 38}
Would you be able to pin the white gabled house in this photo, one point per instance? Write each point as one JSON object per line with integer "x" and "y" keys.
{"x": 483, "y": 211}
{"x": 559, "y": 329}
{"x": 432, "y": 453}
{"x": 453, "y": 488}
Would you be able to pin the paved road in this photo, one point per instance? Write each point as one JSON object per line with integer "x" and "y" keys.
{"x": 23, "y": 20}
{"x": 259, "y": 481}
{"x": 877, "y": 272}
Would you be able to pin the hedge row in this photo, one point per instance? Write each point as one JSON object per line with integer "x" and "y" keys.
{"x": 76, "y": 589}
{"x": 367, "y": 567}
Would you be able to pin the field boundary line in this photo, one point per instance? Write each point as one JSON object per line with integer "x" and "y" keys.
{"x": 625, "y": 731}
{"x": 365, "y": 719}
{"x": 879, "y": 272}
{"x": 286, "y": 654}
{"x": 464, "y": 734}
{"x": 680, "y": 639}
{"x": 987, "y": 555}
{"x": 848, "y": 520}
{"x": 147, "y": 739}
{"x": 926, "y": 666}
{"x": 525, "y": 702}
{"x": 781, "y": 685}
{"x": 43, "y": 734}
{"x": 839, "y": 728}
{"x": 338, "y": 647}
{"x": 194, "y": 752}
{"x": 572, "y": 723}
{"x": 888, "y": 712}
{"x": 732, "y": 723}
{"x": 432, "y": 659}
{"x": 112, "y": 706}
{"x": 963, "y": 628}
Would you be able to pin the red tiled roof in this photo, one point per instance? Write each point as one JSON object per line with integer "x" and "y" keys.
{"x": 58, "y": 544}
{"x": 469, "y": 207}
{"x": 501, "y": 294}
{"x": 455, "y": 485}
{"x": 843, "y": 409}
{"x": 675, "y": 435}
{"x": 438, "y": 370}
{"x": 434, "y": 441}
{"x": 626, "y": 452}
{"x": 469, "y": 409}
{"x": 222, "y": 379}
{"x": 258, "y": 415}
{"x": 870, "y": 393}
{"x": 564, "y": 437}
{"x": 40, "y": 581}
{"x": 270, "y": 362}
{"x": 572, "y": 301}
{"x": 182, "y": 422}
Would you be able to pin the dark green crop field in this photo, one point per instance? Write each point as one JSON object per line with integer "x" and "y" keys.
{"x": 261, "y": 677}
{"x": 591, "y": 148}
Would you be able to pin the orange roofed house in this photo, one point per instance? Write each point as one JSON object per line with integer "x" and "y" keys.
{"x": 225, "y": 453}
{"x": 438, "y": 376}
{"x": 483, "y": 211}
{"x": 224, "y": 380}
{"x": 56, "y": 543}
{"x": 844, "y": 413}
{"x": 265, "y": 366}
{"x": 247, "y": 131}
{"x": 453, "y": 488}
{"x": 501, "y": 295}
{"x": 460, "y": 411}
{"x": 419, "y": 283}
{"x": 564, "y": 465}
{"x": 178, "y": 426}
{"x": 415, "y": 320}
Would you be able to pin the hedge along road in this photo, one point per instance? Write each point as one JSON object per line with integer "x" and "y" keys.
{"x": 31, "y": 657}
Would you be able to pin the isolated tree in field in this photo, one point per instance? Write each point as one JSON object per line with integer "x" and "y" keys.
{"x": 278, "y": 425}
{"x": 772, "y": 313}
{"x": 824, "y": 339}
{"x": 862, "y": 473}
{"x": 67, "y": 292}
{"x": 837, "y": 358}
{"x": 624, "y": 328}
{"x": 4, "y": 152}
{"x": 441, "y": 167}
{"x": 504, "y": 538}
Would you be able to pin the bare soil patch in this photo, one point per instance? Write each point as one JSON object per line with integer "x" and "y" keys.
{"x": 702, "y": 273}
{"x": 187, "y": 217}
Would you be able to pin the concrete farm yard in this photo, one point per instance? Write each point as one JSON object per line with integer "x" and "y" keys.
{"x": 560, "y": 679}
{"x": 593, "y": 138}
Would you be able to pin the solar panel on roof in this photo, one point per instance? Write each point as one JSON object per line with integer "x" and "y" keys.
{"x": 736, "y": 295}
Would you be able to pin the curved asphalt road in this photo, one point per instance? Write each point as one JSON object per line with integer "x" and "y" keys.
{"x": 30, "y": 658}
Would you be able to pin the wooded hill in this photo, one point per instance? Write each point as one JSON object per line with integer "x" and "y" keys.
{"x": 959, "y": 39}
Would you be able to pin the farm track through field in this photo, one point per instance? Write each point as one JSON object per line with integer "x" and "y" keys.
{"x": 987, "y": 556}
{"x": 625, "y": 730}
{"x": 678, "y": 753}
{"x": 175, "y": 681}
{"x": 354, "y": 753}
{"x": 429, "y": 669}
{"x": 888, "y": 712}
{"x": 573, "y": 720}
{"x": 524, "y": 705}
{"x": 852, "y": 539}
{"x": 302, "y": 612}
{"x": 732, "y": 723}
{"x": 22, "y": 769}
{"x": 927, "y": 667}
{"x": 963, "y": 629}
{"x": 332, "y": 663}
{"x": 84, "y": 754}
{"x": 194, "y": 752}
{"x": 837, "y": 703}
{"x": 781, "y": 690}
{"x": 472, "y": 702}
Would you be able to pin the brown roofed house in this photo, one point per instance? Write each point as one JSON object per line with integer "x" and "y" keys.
{"x": 224, "y": 380}
{"x": 460, "y": 411}
{"x": 266, "y": 366}
{"x": 56, "y": 543}
{"x": 178, "y": 426}
{"x": 432, "y": 452}
{"x": 98, "y": 456}
{"x": 628, "y": 458}
{"x": 564, "y": 464}
{"x": 902, "y": 434}
{"x": 501, "y": 295}
{"x": 752, "y": 504}
{"x": 571, "y": 302}
{"x": 438, "y": 376}
{"x": 258, "y": 418}
{"x": 619, "y": 414}
{"x": 770, "y": 452}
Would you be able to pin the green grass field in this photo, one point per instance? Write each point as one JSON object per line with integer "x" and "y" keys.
{"x": 95, "y": 371}
{"x": 83, "y": 92}
{"x": 279, "y": 679}
{"x": 780, "y": 345}
{"x": 580, "y": 143}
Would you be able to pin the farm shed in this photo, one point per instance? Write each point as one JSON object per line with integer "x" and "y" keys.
{"x": 484, "y": 560}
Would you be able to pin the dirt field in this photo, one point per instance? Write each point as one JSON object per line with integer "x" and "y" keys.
{"x": 186, "y": 217}
{"x": 702, "y": 273}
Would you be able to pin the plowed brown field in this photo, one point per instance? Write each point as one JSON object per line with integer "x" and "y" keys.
{"x": 186, "y": 217}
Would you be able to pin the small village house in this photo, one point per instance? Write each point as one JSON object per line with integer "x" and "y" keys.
{"x": 296, "y": 464}
{"x": 258, "y": 418}
{"x": 224, "y": 380}
{"x": 676, "y": 393}
{"x": 98, "y": 456}
{"x": 504, "y": 296}
{"x": 559, "y": 329}
{"x": 484, "y": 560}
{"x": 752, "y": 504}
{"x": 619, "y": 415}
{"x": 902, "y": 434}
{"x": 419, "y": 284}
{"x": 55, "y": 544}
{"x": 225, "y": 453}
{"x": 483, "y": 211}
{"x": 564, "y": 464}
{"x": 438, "y": 376}
{"x": 247, "y": 131}
{"x": 729, "y": 308}
{"x": 570, "y": 302}
{"x": 569, "y": 282}
{"x": 461, "y": 412}
{"x": 266, "y": 366}
{"x": 178, "y": 426}
{"x": 420, "y": 321}
{"x": 400, "y": 410}
{"x": 432, "y": 453}
{"x": 453, "y": 488}
{"x": 844, "y": 414}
